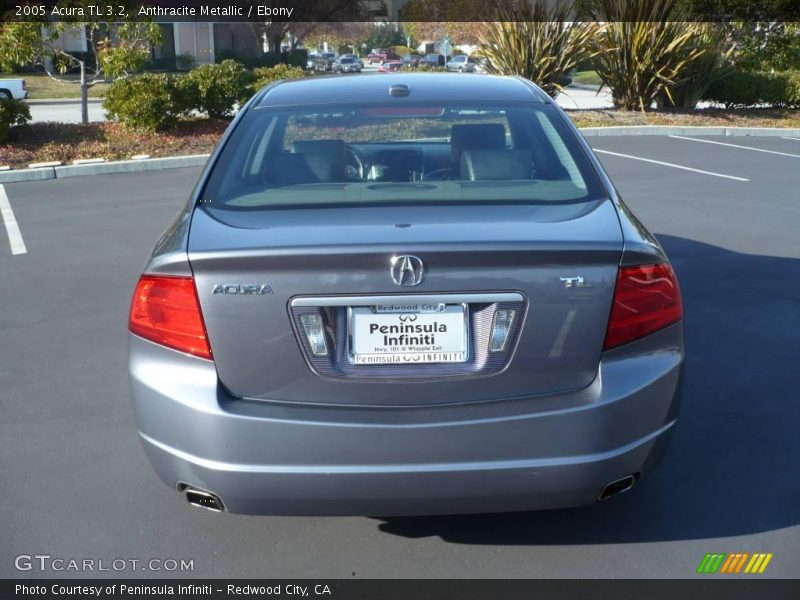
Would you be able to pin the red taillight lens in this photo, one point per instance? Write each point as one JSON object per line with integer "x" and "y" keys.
{"x": 646, "y": 299}
{"x": 165, "y": 310}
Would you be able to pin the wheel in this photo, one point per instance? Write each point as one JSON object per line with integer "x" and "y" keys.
{"x": 4, "y": 95}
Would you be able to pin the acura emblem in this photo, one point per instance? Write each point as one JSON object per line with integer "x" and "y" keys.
{"x": 406, "y": 270}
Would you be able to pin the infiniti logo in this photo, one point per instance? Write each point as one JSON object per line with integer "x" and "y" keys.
{"x": 406, "y": 270}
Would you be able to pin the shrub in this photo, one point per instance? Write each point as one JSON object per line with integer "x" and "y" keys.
{"x": 792, "y": 88}
{"x": 150, "y": 102}
{"x": 708, "y": 66}
{"x": 425, "y": 67}
{"x": 402, "y": 50}
{"x": 184, "y": 62}
{"x": 741, "y": 89}
{"x": 13, "y": 113}
{"x": 266, "y": 75}
{"x": 534, "y": 40}
{"x": 217, "y": 88}
{"x": 643, "y": 48}
{"x": 297, "y": 58}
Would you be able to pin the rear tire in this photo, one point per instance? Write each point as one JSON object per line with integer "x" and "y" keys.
{"x": 5, "y": 95}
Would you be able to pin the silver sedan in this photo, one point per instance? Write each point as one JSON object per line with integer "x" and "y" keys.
{"x": 408, "y": 294}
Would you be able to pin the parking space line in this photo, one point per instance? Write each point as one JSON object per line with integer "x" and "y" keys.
{"x": 791, "y": 138}
{"x": 10, "y": 221}
{"x": 680, "y": 137}
{"x": 673, "y": 165}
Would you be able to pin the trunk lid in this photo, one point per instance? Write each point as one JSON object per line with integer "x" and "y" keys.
{"x": 251, "y": 267}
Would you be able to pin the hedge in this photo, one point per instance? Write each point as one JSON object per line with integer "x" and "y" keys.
{"x": 154, "y": 102}
{"x": 13, "y": 113}
{"x": 266, "y": 75}
{"x": 151, "y": 102}
{"x": 216, "y": 89}
{"x": 296, "y": 58}
{"x": 741, "y": 89}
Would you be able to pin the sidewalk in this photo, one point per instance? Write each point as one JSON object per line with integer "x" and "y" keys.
{"x": 584, "y": 96}
{"x": 64, "y": 110}
{"x": 46, "y": 101}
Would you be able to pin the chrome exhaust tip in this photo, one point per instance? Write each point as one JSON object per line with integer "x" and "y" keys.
{"x": 617, "y": 487}
{"x": 203, "y": 499}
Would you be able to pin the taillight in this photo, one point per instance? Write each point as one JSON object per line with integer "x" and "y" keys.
{"x": 165, "y": 310}
{"x": 24, "y": 85}
{"x": 646, "y": 299}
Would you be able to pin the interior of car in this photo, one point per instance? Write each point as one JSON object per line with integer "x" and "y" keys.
{"x": 474, "y": 152}
{"x": 424, "y": 152}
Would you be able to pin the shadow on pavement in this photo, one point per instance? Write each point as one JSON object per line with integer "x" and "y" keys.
{"x": 734, "y": 462}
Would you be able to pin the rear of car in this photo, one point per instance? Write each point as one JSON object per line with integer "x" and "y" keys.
{"x": 400, "y": 303}
{"x": 391, "y": 66}
{"x": 461, "y": 63}
{"x": 411, "y": 60}
{"x": 432, "y": 60}
{"x": 324, "y": 61}
{"x": 346, "y": 64}
{"x": 15, "y": 89}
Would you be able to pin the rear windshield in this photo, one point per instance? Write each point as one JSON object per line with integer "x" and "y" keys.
{"x": 377, "y": 154}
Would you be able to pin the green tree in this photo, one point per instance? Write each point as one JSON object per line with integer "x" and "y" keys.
{"x": 116, "y": 44}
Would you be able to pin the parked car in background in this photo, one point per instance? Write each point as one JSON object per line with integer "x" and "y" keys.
{"x": 412, "y": 60}
{"x": 381, "y": 56}
{"x": 482, "y": 65}
{"x": 431, "y": 60}
{"x": 461, "y": 63}
{"x": 411, "y": 294}
{"x": 324, "y": 61}
{"x": 312, "y": 56}
{"x": 346, "y": 64}
{"x": 13, "y": 88}
{"x": 361, "y": 62}
{"x": 391, "y": 66}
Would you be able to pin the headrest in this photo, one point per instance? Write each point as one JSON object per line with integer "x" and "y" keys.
{"x": 486, "y": 136}
{"x": 329, "y": 147}
{"x": 496, "y": 165}
{"x": 309, "y": 162}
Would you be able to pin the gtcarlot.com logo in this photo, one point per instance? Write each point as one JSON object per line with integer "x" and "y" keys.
{"x": 734, "y": 563}
{"x": 46, "y": 562}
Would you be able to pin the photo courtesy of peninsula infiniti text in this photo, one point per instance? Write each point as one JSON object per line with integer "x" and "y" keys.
{"x": 406, "y": 294}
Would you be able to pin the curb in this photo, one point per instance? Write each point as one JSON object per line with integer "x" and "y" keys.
{"x": 688, "y": 130}
{"x": 106, "y": 168}
{"x": 199, "y": 160}
{"x": 131, "y": 166}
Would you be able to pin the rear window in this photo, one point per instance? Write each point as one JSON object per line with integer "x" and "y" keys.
{"x": 414, "y": 153}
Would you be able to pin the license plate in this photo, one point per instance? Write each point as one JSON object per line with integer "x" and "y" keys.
{"x": 381, "y": 336}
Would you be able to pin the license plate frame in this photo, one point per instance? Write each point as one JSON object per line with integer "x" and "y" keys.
{"x": 454, "y": 315}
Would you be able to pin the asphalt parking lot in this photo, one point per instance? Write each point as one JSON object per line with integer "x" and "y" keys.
{"x": 76, "y": 484}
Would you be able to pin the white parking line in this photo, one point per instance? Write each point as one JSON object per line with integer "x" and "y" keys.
{"x": 10, "y": 221}
{"x": 680, "y": 137}
{"x": 673, "y": 165}
{"x": 791, "y": 138}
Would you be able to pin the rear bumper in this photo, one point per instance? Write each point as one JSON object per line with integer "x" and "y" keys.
{"x": 512, "y": 454}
